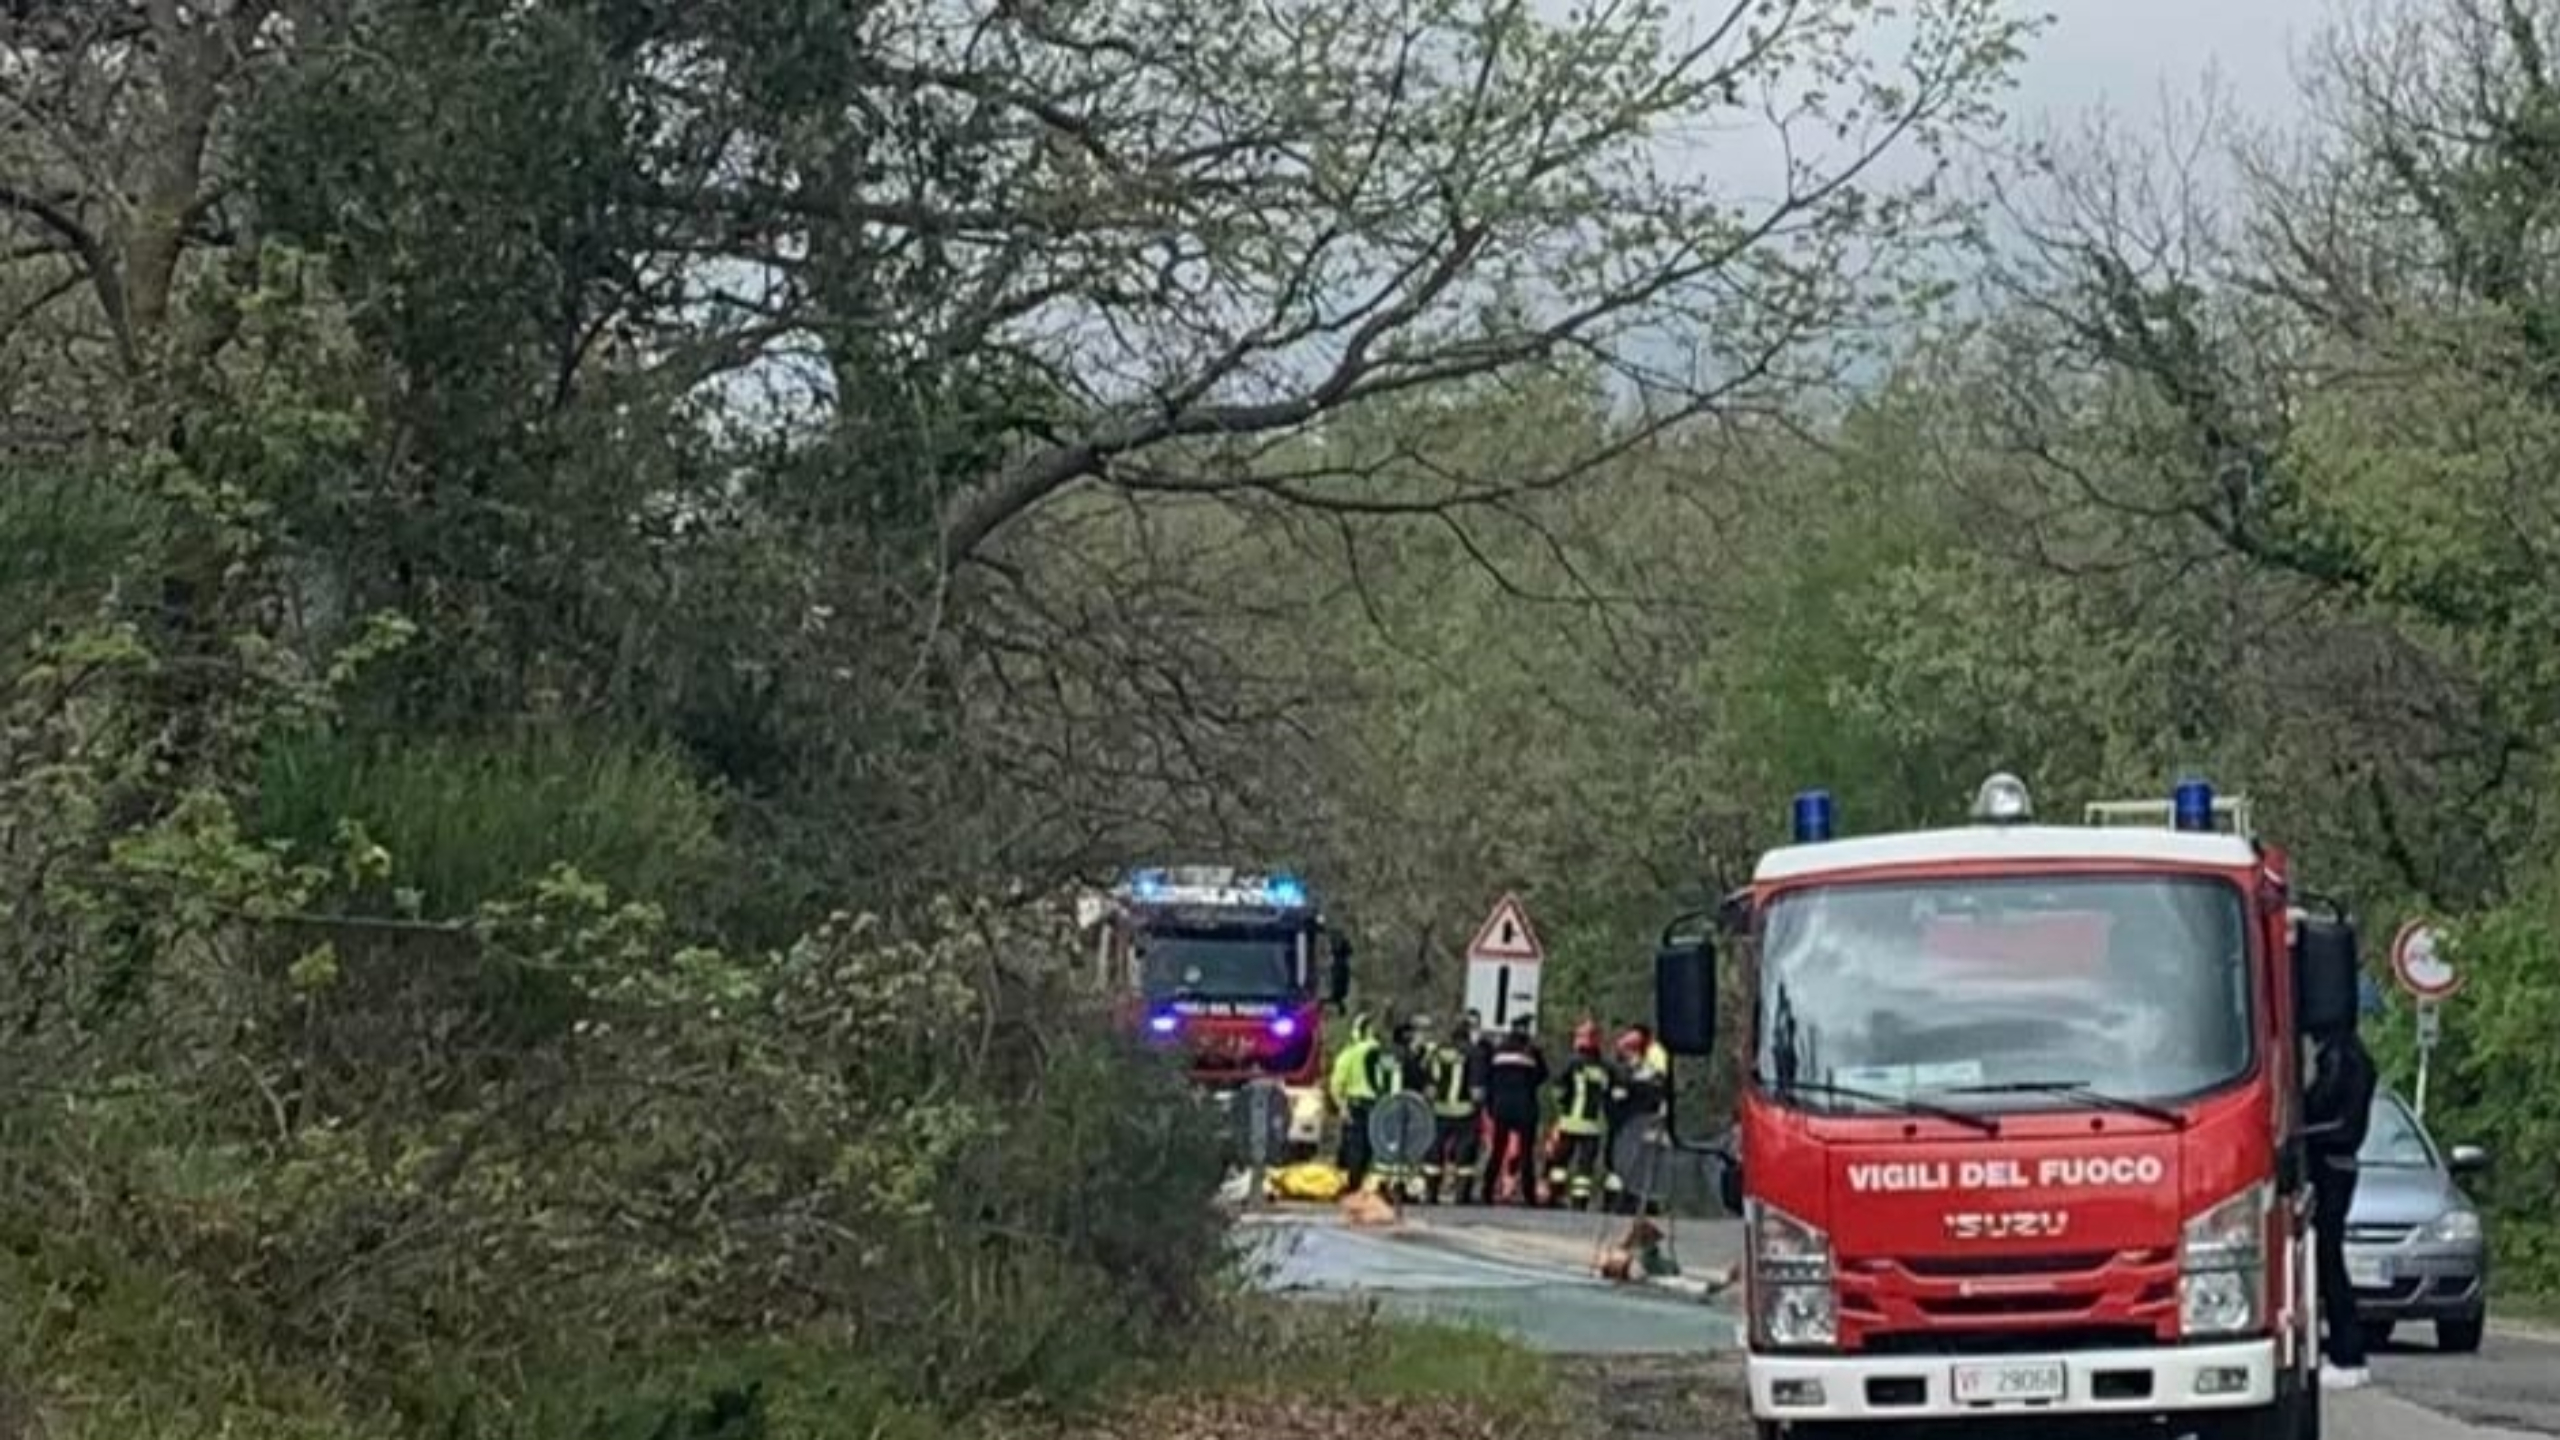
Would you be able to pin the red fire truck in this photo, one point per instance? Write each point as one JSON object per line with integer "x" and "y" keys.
{"x": 2020, "y": 1129}
{"x": 1233, "y": 967}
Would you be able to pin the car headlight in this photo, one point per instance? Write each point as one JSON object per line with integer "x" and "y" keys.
{"x": 2455, "y": 1227}
{"x": 1792, "y": 1299}
{"x": 2222, "y": 1265}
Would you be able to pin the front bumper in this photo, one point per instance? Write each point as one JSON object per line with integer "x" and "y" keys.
{"x": 2419, "y": 1281}
{"x": 2231, "y": 1375}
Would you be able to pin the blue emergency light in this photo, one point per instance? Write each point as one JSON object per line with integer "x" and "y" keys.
{"x": 1165, "y": 1023}
{"x": 1147, "y": 884}
{"x": 1286, "y": 890}
{"x": 1284, "y": 1027}
{"x": 1813, "y": 816}
{"x": 2191, "y": 805}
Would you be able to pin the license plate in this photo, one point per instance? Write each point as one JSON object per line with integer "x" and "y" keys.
{"x": 2369, "y": 1272}
{"x": 1998, "y": 1384}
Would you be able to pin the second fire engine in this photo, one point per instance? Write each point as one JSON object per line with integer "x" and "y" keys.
{"x": 2021, "y": 1121}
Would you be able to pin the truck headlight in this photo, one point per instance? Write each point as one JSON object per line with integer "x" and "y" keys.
{"x": 2222, "y": 1265}
{"x": 2456, "y": 1227}
{"x": 1791, "y": 1271}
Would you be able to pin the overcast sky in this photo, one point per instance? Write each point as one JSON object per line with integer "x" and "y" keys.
{"x": 2125, "y": 51}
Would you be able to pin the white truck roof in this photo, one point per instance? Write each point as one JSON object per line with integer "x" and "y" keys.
{"x": 2097, "y": 844}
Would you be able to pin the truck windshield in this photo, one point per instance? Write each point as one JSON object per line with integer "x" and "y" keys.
{"x": 2024, "y": 992}
{"x": 1217, "y": 964}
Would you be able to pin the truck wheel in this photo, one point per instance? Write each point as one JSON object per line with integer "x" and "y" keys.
{"x": 2461, "y": 1337}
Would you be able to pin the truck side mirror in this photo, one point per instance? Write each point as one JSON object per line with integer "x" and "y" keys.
{"x": 1735, "y": 912}
{"x": 1337, "y": 986}
{"x": 2326, "y": 972}
{"x": 1684, "y": 996}
{"x": 2467, "y": 1160}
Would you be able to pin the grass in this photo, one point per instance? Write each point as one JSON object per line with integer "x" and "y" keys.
{"x": 1362, "y": 1355}
{"x": 468, "y": 819}
{"x": 1275, "y": 1370}
{"x": 2538, "y": 1310}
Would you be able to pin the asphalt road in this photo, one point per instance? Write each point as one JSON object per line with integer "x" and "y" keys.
{"x": 2511, "y": 1388}
{"x": 2512, "y": 1385}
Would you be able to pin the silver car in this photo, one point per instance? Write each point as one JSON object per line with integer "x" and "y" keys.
{"x": 2415, "y": 1251}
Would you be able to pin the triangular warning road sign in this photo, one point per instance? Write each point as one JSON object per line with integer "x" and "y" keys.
{"x": 1506, "y": 935}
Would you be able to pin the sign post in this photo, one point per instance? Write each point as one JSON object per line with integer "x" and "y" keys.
{"x": 1503, "y": 961}
{"x": 1266, "y": 1134}
{"x": 2419, "y": 964}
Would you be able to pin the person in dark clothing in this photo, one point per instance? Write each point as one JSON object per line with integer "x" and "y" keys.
{"x": 1512, "y": 1083}
{"x": 1412, "y": 1057}
{"x": 1479, "y": 1045}
{"x": 2338, "y": 1109}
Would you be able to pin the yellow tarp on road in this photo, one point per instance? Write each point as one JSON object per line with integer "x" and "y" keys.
{"x": 1313, "y": 1180}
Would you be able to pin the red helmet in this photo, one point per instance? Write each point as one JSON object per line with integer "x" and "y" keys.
{"x": 1586, "y": 1038}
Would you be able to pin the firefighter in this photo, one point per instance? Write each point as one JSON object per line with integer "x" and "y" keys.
{"x": 1637, "y": 1101}
{"x": 1582, "y": 1096}
{"x": 1457, "y": 1094}
{"x": 1354, "y": 1083}
{"x": 1656, "y": 1059}
{"x": 1512, "y": 1082}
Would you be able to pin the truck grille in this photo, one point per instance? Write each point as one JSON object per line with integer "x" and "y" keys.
{"x": 2379, "y": 1234}
{"x": 2010, "y": 1342}
{"x": 1987, "y": 1304}
{"x": 1958, "y": 1268}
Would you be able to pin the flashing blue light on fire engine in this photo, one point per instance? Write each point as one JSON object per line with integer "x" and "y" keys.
{"x": 2191, "y": 805}
{"x": 1286, "y": 890}
{"x": 1165, "y": 1023}
{"x": 1147, "y": 884}
{"x": 1284, "y": 1027}
{"x": 1813, "y": 817}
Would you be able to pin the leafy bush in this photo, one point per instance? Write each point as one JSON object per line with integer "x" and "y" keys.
{"x": 2497, "y": 1080}
{"x": 468, "y": 818}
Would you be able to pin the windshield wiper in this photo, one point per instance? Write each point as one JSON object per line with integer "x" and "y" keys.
{"x": 2075, "y": 1090}
{"x": 1904, "y": 1103}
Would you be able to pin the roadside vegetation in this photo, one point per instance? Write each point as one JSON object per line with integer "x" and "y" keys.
{"x": 580, "y": 576}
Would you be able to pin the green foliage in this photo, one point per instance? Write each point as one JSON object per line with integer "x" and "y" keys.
{"x": 126, "y": 1348}
{"x": 2496, "y": 1081}
{"x": 625, "y": 510}
{"x": 464, "y": 820}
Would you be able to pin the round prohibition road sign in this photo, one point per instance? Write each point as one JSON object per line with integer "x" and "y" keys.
{"x": 2418, "y": 962}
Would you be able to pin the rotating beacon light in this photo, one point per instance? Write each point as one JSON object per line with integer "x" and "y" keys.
{"x": 2003, "y": 800}
{"x": 1813, "y": 817}
{"x": 2191, "y": 805}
